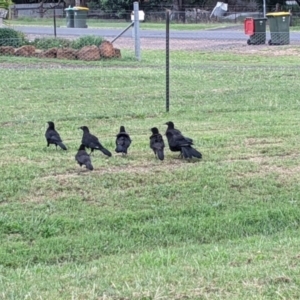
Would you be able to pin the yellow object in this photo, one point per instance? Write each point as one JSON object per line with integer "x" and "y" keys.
{"x": 80, "y": 8}
{"x": 278, "y": 14}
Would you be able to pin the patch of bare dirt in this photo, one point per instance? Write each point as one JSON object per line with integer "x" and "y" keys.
{"x": 283, "y": 172}
{"x": 266, "y": 50}
{"x": 138, "y": 169}
{"x": 65, "y": 183}
{"x": 272, "y": 164}
{"x": 262, "y": 141}
{"x": 7, "y": 124}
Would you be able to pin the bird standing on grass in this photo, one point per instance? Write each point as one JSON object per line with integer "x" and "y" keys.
{"x": 178, "y": 142}
{"x": 92, "y": 142}
{"x": 123, "y": 141}
{"x": 83, "y": 158}
{"x": 157, "y": 143}
{"x": 53, "y": 137}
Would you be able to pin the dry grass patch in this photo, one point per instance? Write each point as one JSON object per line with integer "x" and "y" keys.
{"x": 285, "y": 174}
{"x": 262, "y": 141}
{"x": 138, "y": 168}
{"x": 265, "y": 50}
{"x": 63, "y": 185}
{"x": 267, "y": 165}
{"x": 7, "y": 124}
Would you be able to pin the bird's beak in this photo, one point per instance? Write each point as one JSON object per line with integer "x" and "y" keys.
{"x": 79, "y": 128}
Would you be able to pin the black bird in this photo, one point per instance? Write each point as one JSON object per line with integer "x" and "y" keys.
{"x": 157, "y": 143}
{"x": 92, "y": 142}
{"x": 178, "y": 142}
{"x": 83, "y": 158}
{"x": 123, "y": 141}
{"x": 53, "y": 137}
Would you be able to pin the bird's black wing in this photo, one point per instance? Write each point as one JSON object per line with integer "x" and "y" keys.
{"x": 84, "y": 159}
{"x": 157, "y": 145}
{"x": 184, "y": 144}
{"x": 90, "y": 141}
{"x": 175, "y": 139}
{"x": 157, "y": 141}
{"x": 53, "y": 136}
{"x": 123, "y": 142}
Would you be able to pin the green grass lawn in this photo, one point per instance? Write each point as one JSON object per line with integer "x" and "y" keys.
{"x": 225, "y": 227}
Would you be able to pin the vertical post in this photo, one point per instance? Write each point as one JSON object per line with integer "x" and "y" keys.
{"x": 54, "y": 21}
{"x": 136, "y": 28}
{"x": 264, "y": 7}
{"x": 167, "y": 61}
{"x": 235, "y": 19}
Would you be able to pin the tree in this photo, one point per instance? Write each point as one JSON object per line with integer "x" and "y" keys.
{"x": 5, "y": 4}
{"x": 179, "y": 6}
{"x": 178, "y": 10}
{"x": 273, "y": 5}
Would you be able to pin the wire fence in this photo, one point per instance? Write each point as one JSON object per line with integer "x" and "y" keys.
{"x": 75, "y": 80}
{"x": 188, "y": 15}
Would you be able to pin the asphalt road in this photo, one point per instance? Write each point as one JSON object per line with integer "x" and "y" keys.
{"x": 221, "y": 34}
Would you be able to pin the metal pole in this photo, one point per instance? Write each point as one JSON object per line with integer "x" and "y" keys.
{"x": 167, "y": 61}
{"x": 137, "y": 44}
{"x": 54, "y": 22}
{"x": 264, "y": 7}
{"x": 122, "y": 32}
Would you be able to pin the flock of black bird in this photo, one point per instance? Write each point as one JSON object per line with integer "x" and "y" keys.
{"x": 176, "y": 141}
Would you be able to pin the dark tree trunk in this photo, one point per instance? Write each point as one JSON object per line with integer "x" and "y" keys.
{"x": 178, "y": 10}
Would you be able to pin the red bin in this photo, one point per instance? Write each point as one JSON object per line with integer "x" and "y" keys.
{"x": 249, "y": 26}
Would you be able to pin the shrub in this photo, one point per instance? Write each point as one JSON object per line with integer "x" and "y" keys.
{"x": 5, "y": 4}
{"x": 88, "y": 40}
{"x": 48, "y": 43}
{"x": 11, "y": 37}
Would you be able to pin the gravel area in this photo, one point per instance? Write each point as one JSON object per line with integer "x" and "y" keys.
{"x": 237, "y": 46}
{"x": 179, "y": 44}
{"x": 160, "y": 44}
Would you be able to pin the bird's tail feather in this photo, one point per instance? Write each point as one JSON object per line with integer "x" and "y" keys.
{"x": 190, "y": 152}
{"x": 160, "y": 154}
{"x": 105, "y": 151}
{"x": 196, "y": 153}
{"x": 121, "y": 149}
{"x": 62, "y": 146}
{"x": 186, "y": 153}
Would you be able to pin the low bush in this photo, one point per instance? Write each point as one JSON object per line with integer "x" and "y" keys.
{"x": 48, "y": 43}
{"x": 5, "y": 4}
{"x": 87, "y": 40}
{"x": 11, "y": 37}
